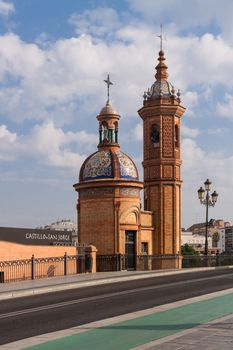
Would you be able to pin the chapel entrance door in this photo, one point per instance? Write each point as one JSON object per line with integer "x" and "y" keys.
{"x": 130, "y": 248}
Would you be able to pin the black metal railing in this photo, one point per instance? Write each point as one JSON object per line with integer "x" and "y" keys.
{"x": 119, "y": 262}
{"x": 34, "y": 268}
{"x": 190, "y": 261}
{"x": 156, "y": 262}
{"x": 107, "y": 263}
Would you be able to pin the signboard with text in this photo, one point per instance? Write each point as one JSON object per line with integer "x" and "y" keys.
{"x": 34, "y": 236}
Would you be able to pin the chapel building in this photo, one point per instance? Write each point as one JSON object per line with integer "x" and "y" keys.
{"x": 109, "y": 209}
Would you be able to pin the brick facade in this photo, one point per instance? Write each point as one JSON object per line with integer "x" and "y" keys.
{"x": 161, "y": 113}
{"x": 109, "y": 208}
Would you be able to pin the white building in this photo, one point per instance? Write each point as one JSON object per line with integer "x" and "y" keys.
{"x": 64, "y": 225}
{"x": 221, "y": 240}
{"x": 194, "y": 240}
{"x": 229, "y": 239}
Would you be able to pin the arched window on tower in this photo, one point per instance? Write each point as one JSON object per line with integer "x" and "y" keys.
{"x": 110, "y": 134}
{"x": 176, "y": 136}
{"x": 155, "y": 135}
{"x": 100, "y": 133}
{"x": 105, "y": 136}
{"x": 116, "y": 132}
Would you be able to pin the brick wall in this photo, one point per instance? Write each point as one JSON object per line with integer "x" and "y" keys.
{"x": 15, "y": 251}
{"x": 96, "y": 222}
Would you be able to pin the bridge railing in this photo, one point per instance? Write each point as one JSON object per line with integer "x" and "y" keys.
{"x": 34, "y": 268}
{"x": 190, "y": 261}
{"x": 119, "y": 262}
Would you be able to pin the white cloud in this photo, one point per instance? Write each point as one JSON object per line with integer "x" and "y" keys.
{"x": 198, "y": 165}
{"x": 177, "y": 13}
{"x": 48, "y": 145}
{"x": 204, "y": 61}
{"x": 98, "y": 22}
{"x": 190, "y": 98}
{"x": 63, "y": 81}
{"x": 7, "y": 143}
{"x": 190, "y": 132}
{"x": 6, "y": 135}
{"x": 217, "y": 131}
{"x": 226, "y": 109}
{"x": 182, "y": 14}
{"x": 54, "y": 145}
{"x": 55, "y": 83}
{"x": 6, "y": 8}
{"x": 138, "y": 132}
{"x": 192, "y": 155}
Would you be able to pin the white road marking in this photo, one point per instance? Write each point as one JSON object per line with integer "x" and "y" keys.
{"x": 24, "y": 343}
{"x": 106, "y": 295}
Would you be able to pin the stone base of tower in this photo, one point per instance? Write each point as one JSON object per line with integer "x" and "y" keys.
{"x": 167, "y": 262}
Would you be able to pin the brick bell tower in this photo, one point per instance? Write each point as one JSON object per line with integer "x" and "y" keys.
{"x": 161, "y": 113}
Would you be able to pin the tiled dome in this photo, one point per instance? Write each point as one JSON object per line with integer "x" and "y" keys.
{"x": 108, "y": 164}
{"x": 161, "y": 88}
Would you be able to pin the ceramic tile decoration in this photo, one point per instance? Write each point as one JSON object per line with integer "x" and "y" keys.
{"x": 99, "y": 165}
{"x": 128, "y": 191}
{"x": 161, "y": 87}
{"x": 96, "y": 192}
{"x": 127, "y": 167}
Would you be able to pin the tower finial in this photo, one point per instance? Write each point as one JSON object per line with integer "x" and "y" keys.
{"x": 161, "y": 37}
{"x": 108, "y": 82}
{"x": 161, "y": 68}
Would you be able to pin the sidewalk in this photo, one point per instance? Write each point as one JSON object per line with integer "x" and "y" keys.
{"x": 52, "y": 284}
{"x": 215, "y": 335}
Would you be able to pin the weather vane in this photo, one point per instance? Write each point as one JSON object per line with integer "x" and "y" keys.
{"x": 162, "y": 37}
{"x": 108, "y": 82}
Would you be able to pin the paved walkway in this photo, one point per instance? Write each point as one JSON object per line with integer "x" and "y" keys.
{"x": 214, "y": 335}
{"x": 196, "y": 323}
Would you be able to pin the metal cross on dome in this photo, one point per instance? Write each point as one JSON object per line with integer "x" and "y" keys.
{"x": 108, "y": 82}
{"x": 162, "y": 37}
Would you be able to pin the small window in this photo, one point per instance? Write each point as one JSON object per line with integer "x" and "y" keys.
{"x": 155, "y": 134}
{"x": 144, "y": 248}
{"x": 176, "y": 136}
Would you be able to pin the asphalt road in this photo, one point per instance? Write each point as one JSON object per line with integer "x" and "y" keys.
{"x": 25, "y": 317}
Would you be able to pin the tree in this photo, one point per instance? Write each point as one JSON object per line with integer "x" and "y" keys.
{"x": 187, "y": 249}
{"x": 215, "y": 238}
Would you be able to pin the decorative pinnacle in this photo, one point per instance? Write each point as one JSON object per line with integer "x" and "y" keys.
{"x": 108, "y": 82}
{"x": 161, "y": 68}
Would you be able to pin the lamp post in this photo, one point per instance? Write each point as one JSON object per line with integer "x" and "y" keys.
{"x": 209, "y": 201}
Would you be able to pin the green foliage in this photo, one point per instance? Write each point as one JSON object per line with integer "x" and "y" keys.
{"x": 187, "y": 249}
{"x": 215, "y": 236}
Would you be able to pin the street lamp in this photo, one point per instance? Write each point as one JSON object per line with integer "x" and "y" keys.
{"x": 209, "y": 201}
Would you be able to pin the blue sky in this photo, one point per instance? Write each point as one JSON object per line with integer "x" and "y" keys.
{"x": 54, "y": 56}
